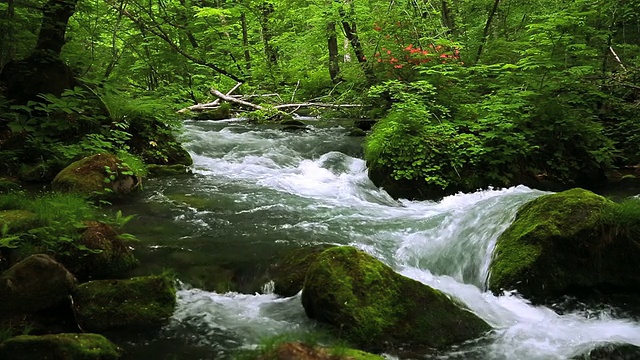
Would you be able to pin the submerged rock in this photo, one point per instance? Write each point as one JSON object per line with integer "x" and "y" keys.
{"x": 59, "y": 347}
{"x": 563, "y": 243}
{"x": 302, "y": 351}
{"x": 140, "y": 302}
{"x": 33, "y": 284}
{"x": 100, "y": 175}
{"x": 611, "y": 352}
{"x": 289, "y": 272}
{"x": 107, "y": 256}
{"x": 168, "y": 170}
{"x": 372, "y": 306}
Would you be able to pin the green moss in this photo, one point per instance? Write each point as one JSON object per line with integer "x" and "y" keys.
{"x": 289, "y": 272}
{"x": 59, "y": 347}
{"x": 135, "y": 303}
{"x": 539, "y": 253}
{"x": 371, "y": 305}
{"x": 17, "y": 220}
{"x": 100, "y": 175}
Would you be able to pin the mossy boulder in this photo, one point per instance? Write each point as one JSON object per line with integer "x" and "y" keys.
{"x": 18, "y": 220}
{"x": 373, "y": 307}
{"x": 302, "y": 351}
{"x": 33, "y": 284}
{"x": 155, "y": 143}
{"x": 59, "y": 347}
{"x": 566, "y": 243}
{"x": 141, "y": 302}
{"x": 107, "y": 255}
{"x": 288, "y": 273}
{"x": 100, "y": 176}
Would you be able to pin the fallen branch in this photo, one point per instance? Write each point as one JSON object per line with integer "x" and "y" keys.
{"x": 284, "y": 106}
{"x": 234, "y": 100}
{"x": 208, "y": 106}
{"x": 617, "y": 58}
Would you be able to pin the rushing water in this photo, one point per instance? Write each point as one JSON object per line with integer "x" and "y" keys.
{"x": 257, "y": 192}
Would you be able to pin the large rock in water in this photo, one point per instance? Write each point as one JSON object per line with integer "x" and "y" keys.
{"x": 100, "y": 175}
{"x": 288, "y": 273}
{"x": 59, "y": 347}
{"x": 137, "y": 303}
{"x": 35, "y": 283}
{"x": 374, "y": 307}
{"x": 109, "y": 256}
{"x": 566, "y": 243}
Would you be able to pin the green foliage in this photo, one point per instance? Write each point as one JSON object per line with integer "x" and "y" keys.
{"x": 57, "y": 221}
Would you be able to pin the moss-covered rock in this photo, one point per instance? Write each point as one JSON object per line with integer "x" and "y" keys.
{"x": 100, "y": 175}
{"x": 302, "y": 351}
{"x": 33, "y": 284}
{"x": 17, "y": 220}
{"x": 288, "y": 273}
{"x": 140, "y": 302}
{"x": 560, "y": 243}
{"x": 156, "y": 144}
{"x": 168, "y": 170}
{"x": 107, "y": 255}
{"x": 373, "y": 307}
{"x": 59, "y": 347}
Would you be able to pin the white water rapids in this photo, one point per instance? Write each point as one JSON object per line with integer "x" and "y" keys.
{"x": 311, "y": 187}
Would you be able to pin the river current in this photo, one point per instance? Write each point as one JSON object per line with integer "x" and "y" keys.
{"x": 257, "y": 192}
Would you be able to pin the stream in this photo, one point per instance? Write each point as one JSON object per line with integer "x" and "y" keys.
{"x": 257, "y": 192}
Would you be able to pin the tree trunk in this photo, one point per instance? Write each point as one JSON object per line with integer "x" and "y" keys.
{"x": 332, "y": 42}
{"x": 448, "y": 19}
{"x": 487, "y": 27}
{"x": 245, "y": 41}
{"x": 266, "y": 9}
{"x": 42, "y": 72}
{"x": 55, "y": 16}
{"x": 351, "y": 32}
{"x": 7, "y": 41}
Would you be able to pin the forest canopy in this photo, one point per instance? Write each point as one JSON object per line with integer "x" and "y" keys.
{"x": 515, "y": 89}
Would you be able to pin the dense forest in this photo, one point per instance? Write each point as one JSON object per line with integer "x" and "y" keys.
{"x": 452, "y": 96}
{"x": 470, "y": 93}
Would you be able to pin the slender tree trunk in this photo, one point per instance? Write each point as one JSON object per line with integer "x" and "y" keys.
{"x": 270, "y": 52}
{"x": 245, "y": 42}
{"x": 448, "y": 19}
{"x": 7, "y": 41}
{"x": 332, "y": 42}
{"x": 55, "y": 16}
{"x": 351, "y": 32}
{"x": 487, "y": 27}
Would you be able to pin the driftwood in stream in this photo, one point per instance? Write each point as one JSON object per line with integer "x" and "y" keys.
{"x": 240, "y": 101}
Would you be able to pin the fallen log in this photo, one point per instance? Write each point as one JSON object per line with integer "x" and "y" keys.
{"x": 208, "y": 106}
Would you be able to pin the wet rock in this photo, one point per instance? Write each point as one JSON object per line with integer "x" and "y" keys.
{"x": 373, "y": 307}
{"x": 155, "y": 143}
{"x": 611, "y": 352}
{"x": 168, "y": 170}
{"x": 142, "y": 302}
{"x": 33, "y": 284}
{"x": 288, "y": 273}
{"x": 565, "y": 243}
{"x": 59, "y": 347}
{"x": 107, "y": 255}
{"x": 100, "y": 175}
